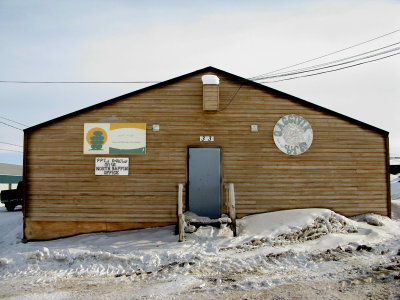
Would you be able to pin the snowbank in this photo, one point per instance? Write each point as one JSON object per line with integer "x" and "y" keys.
{"x": 396, "y": 209}
{"x": 295, "y": 225}
{"x": 395, "y": 186}
{"x": 394, "y": 161}
{"x": 266, "y": 243}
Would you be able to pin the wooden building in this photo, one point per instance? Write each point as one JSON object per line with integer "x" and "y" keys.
{"x": 117, "y": 165}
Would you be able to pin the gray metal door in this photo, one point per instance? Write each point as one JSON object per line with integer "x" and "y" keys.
{"x": 205, "y": 181}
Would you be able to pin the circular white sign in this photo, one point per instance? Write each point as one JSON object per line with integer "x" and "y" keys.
{"x": 293, "y": 134}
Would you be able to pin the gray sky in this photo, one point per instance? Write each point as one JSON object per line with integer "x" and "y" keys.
{"x": 156, "y": 40}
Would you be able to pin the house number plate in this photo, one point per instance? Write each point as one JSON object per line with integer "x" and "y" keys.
{"x": 206, "y": 138}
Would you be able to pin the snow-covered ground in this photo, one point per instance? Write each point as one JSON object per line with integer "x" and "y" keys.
{"x": 395, "y": 161}
{"x": 395, "y": 192}
{"x": 309, "y": 253}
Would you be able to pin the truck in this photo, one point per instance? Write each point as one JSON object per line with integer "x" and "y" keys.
{"x": 12, "y": 198}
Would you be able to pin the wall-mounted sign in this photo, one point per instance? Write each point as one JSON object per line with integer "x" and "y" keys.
{"x": 293, "y": 134}
{"x": 114, "y": 138}
{"x": 206, "y": 138}
{"x": 111, "y": 166}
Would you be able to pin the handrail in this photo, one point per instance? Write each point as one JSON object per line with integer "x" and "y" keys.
{"x": 232, "y": 206}
{"x": 181, "y": 221}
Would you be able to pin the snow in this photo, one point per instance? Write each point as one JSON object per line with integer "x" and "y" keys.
{"x": 272, "y": 250}
{"x": 273, "y": 224}
{"x": 395, "y": 186}
{"x": 394, "y": 161}
{"x": 210, "y": 79}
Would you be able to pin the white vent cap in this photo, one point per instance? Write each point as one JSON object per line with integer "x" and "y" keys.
{"x": 210, "y": 79}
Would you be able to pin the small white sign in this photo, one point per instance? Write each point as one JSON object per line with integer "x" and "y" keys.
{"x": 206, "y": 138}
{"x": 112, "y": 166}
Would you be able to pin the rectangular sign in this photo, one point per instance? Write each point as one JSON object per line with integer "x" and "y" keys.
{"x": 114, "y": 166}
{"x": 206, "y": 138}
{"x": 114, "y": 138}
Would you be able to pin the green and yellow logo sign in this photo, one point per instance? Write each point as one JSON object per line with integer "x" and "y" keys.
{"x": 114, "y": 138}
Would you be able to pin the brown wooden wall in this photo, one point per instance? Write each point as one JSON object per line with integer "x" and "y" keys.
{"x": 344, "y": 169}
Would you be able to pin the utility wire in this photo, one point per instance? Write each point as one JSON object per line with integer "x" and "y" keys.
{"x": 11, "y": 144}
{"x": 255, "y": 78}
{"x": 333, "y": 70}
{"x": 232, "y": 98}
{"x": 325, "y": 55}
{"x": 14, "y": 121}
{"x": 11, "y": 150}
{"x": 11, "y": 125}
{"x": 328, "y": 63}
{"x": 330, "y": 66}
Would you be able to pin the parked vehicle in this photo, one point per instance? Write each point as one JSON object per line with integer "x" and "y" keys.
{"x": 12, "y": 198}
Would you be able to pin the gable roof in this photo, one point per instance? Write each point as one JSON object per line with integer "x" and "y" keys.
{"x": 217, "y": 71}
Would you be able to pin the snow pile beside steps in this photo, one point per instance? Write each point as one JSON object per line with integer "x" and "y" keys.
{"x": 298, "y": 225}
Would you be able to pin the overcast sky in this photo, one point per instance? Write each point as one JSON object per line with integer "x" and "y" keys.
{"x": 157, "y": 40}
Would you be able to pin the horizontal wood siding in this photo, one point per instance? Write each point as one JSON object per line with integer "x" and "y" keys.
{"x": 210, "y": 97}
{"x": 344, "y": 169}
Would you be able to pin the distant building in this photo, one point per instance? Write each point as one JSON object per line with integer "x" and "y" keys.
{"x": 10, "y": 175}
{"x": 117, "y": 165}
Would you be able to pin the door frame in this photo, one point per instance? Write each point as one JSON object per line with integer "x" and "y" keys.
{"x": 221, "y": 173}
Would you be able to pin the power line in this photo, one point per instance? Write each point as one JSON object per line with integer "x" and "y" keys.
{"x": 14, "y": 121}
{"x": 328, "y": 63}
{"x": 11, "y": 150}
{"x": 232, "y": 98}
{"x": 10, "y": 125}
{"x": 255, "y": 78}
{"x": 313, "y": 69}
{"x": 325, "y": 55}
{"x": 11, "y": 144}
{"x": 76, "y": 82}
{"x": 333, "y": 70}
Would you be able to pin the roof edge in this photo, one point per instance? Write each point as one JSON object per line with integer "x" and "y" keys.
{"x": 304, "y": 102}
{"x": 210, "y": 69}
{"x": 112, "y": 100}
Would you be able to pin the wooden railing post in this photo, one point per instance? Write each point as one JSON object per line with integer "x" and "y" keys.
{"x": 232, "y": 207}
{"x": 181, "y": 223}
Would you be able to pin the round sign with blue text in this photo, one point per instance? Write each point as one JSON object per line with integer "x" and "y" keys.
{"x": 293, "y": 134}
